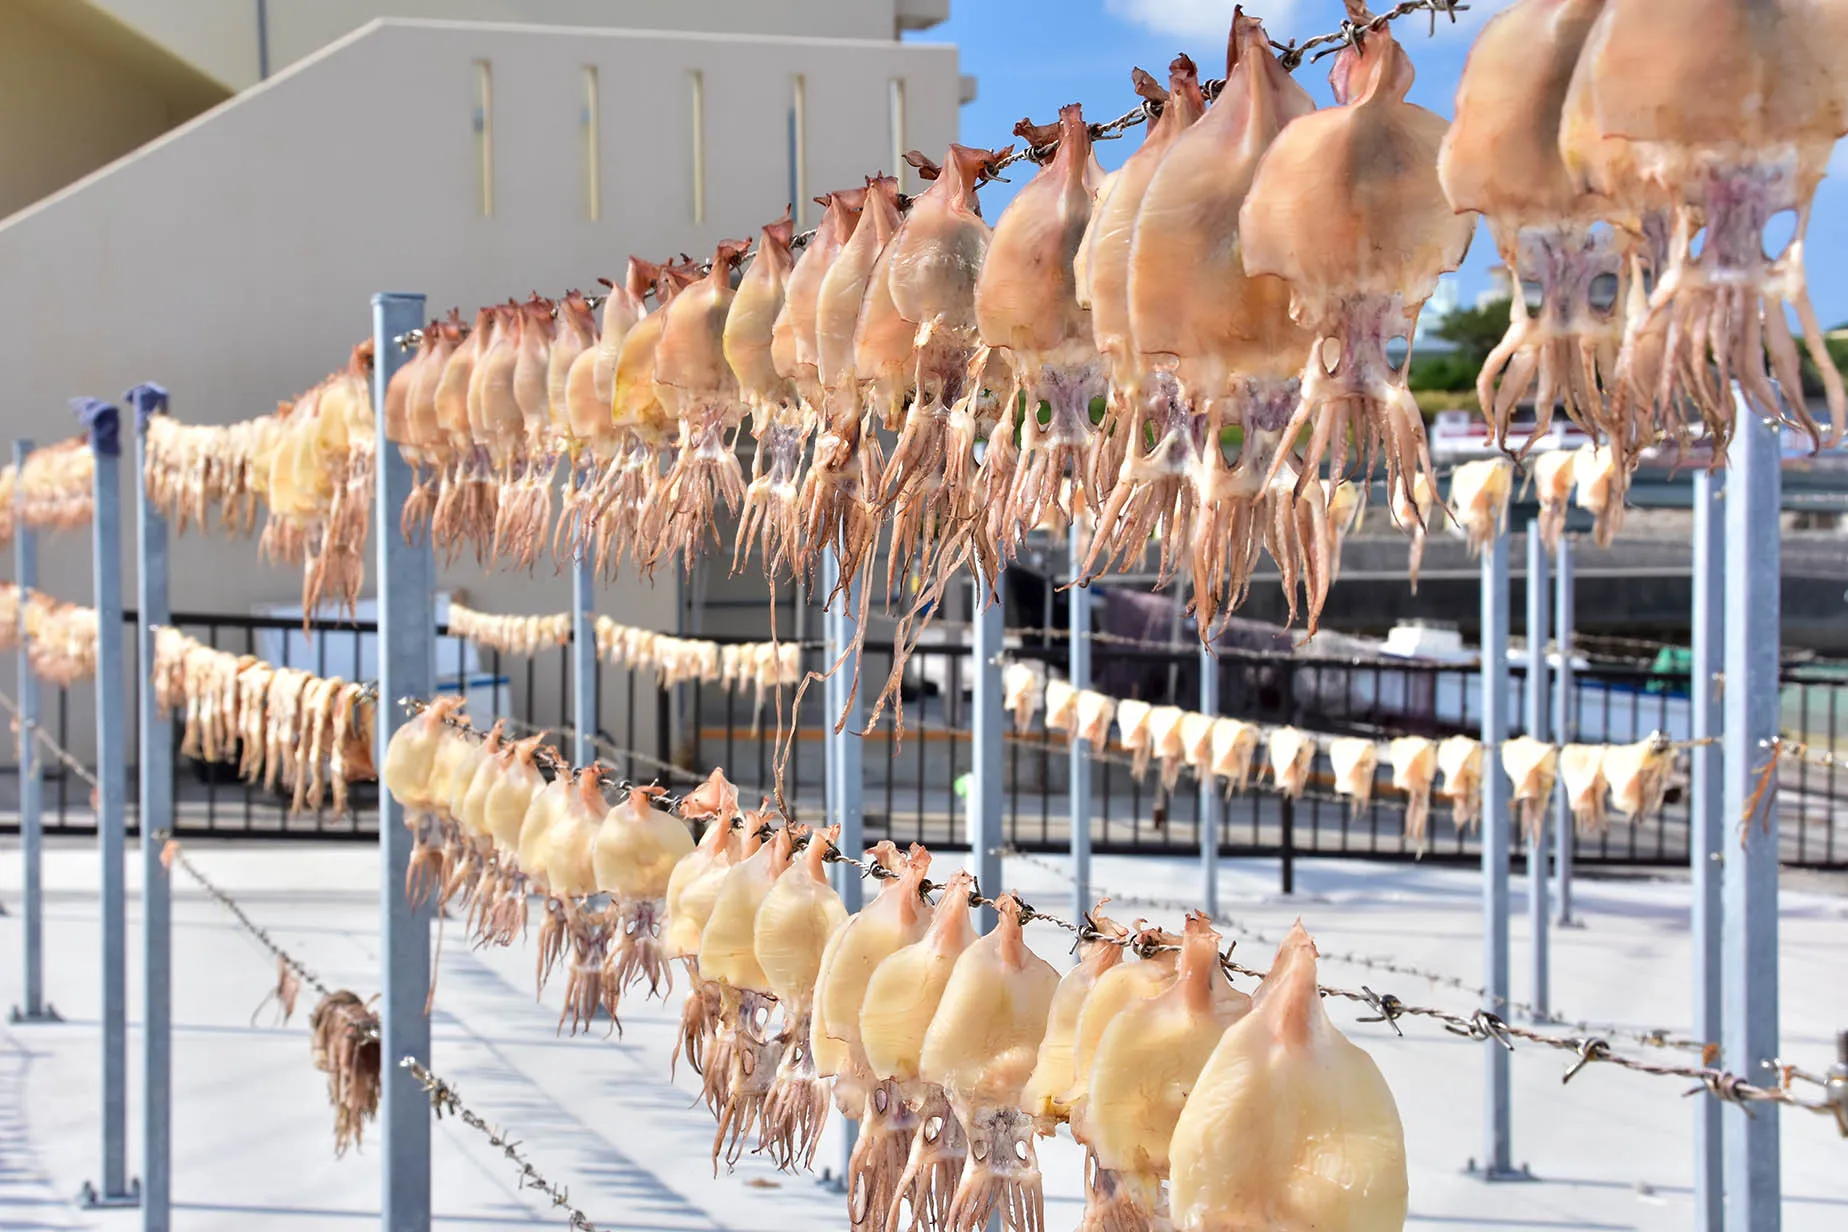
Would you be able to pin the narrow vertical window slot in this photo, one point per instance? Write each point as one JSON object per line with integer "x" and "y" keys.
{"x": 896, "y": 113}
{"x": 798, "y": 151}
{"x": 484, "y": 136}
{"x": 593, "y": 145}
{"x": 697, "y": 81}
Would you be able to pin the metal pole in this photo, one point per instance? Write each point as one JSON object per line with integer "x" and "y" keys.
{"x": 1707, "y": 829}
{"x": 104, "y": 424}
{"x": 407, "y": 668}
{"x": 1565, "y": 724}
{"x": 583, "y": 653}
{"x": 1497, "y": 1145}
{"x": 852, "y": 781}
{"x": 985, "y": 730}
{"x": 155, "y": 810}
{"x": 1078, "y": 762}
{"x": 1748, "y": 962}
{"x": 31, "y": 786}
{"x": 1209, "y": 798}
{"x": 1537, "y": 601}
{"x": 843, "y": 801}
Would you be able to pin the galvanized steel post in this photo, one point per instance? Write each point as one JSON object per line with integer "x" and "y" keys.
{"x": 103, "y": 422}
{"x": 1565, "y": 725}
{"x": 1748, "y": 957}
{"x": 583, "y": 652}
{"x": 154, "y": 807}
{"x": 985, "y": 732}
{"x": 1497, "y": 1145}
{"x": 1707, "y": 829}
{"x": 407, "y": 668}
{"x": 1537, "y": 919}
{"x": 31, "y": 786}
{"x": 1078, "y": 761}
{"x": 1209, "y": 799}
{"x": 843, "y": 799}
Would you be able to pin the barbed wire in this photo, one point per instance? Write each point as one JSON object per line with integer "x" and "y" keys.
{"x": 172, "y": 853}
{"x": 553, "y": 762}
{"x": 1796, "y": 750}
{"x": 445, "y": 1100}
{"x": 22, "y": 723}
{"x": 1588, "y": 1047}
{"x": 1651, "y": 1038}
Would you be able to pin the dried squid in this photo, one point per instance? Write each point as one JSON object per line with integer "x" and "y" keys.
{"x": 1152, "y": 438}
{"x": 691, "y": 890}
{"x": 794, "y": 923}
{"x": 1026, "y": 303}
{"x": 590, "y": 391}
{"x": 929, "y": 276}
{"x": 839, "y": 491}
{"x": 744, "y": 1044}
{"x": 1347, "y": 208}
{"x": 777, "y": 420}
{"x": 1100, "y": 950}
{"x": 1501, "y": 159}
{"x": 1414, "y": 772}
{"x": 1147, "y": 1062}
{"x": 1223, "y": 339}
{"x": 696, "y": 387}
{"x": 897, "y": 917}
{"x": 1289, "y": 1125}
{"x": 1703, "y": 121}
{"x": 637, "y": 850}
{"x": 901, "y": 998}
{"x": 980, "y": 1048}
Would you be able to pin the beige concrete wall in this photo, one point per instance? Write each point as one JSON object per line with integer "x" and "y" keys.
{"x": 233, "y": 260}
{"x": 72, "y": 98}
{"x": 220, "y": 37}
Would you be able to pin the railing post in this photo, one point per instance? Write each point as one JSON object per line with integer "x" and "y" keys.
{"x": 1707, "y": 829}
{"x": 1749, "y": 960}
{"x": 1286, "y": 807}
{"x": 103, "y": 423}
{"x": 985, "y": 730}
{"x": 1209, "y": 798}
{"x": 31, "y": 785}
{"x": 155, "y": 810}
{"x": 1537, "y": 918}
{"x": 1078, "y": 761}
{"x": 407, "y": 668}
{"x": 1565, "y": 724}
{"x": 1497, "y": 1132}
{"x": 583, "y": 649}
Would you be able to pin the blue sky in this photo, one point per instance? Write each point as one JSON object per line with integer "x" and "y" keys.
{"x": 1031, "y": 56}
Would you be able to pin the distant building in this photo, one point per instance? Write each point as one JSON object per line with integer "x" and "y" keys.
{"x": 206, "y": 193}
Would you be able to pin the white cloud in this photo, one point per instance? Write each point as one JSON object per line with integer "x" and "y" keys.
{"x": 1201, "y": 19}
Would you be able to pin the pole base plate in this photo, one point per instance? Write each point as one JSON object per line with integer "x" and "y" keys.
{"x": 49, "y": 1013}
{"x": 90, "y": 1200}
{"x": 1497, "y": 1176}
{"x": 1568, "y": 921}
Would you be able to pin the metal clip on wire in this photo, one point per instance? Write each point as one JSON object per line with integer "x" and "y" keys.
{"x": 1483, "y": 1025}
{"x": 1386, "y": 1008}
{"x": 1590, "y": 1049}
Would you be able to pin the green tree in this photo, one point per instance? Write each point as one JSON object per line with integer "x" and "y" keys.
{"x": 1474, "y": 331}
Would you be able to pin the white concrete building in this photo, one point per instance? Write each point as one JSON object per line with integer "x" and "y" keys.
{"x": 232, "y": 258}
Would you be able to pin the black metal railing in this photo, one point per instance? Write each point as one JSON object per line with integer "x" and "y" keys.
{"x": 913, "y": 778}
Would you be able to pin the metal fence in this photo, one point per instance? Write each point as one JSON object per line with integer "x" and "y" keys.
{"x": 913, "y": 777}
